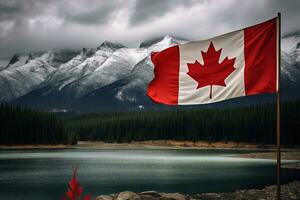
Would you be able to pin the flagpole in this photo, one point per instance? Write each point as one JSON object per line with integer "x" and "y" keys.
{"x": 278, "y": 108}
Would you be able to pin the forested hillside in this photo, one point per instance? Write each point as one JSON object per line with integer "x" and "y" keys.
{"x": 26, "y": 126}
{"x": 255, "y": 124}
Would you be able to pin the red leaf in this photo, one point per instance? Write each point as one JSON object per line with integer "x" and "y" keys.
{"x": 70, "y": 194}
{"x": 87, "y": 197}
{"x": 75, "y": 190}
{"x": 211, "y": 72}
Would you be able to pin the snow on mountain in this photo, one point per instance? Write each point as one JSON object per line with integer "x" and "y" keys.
{"x": 111, "y": 62}
{"x": 165, "y": 42}
{"x": 19, "y": 80}
{"x": 26, "y": 73}
{"x": 67, "y": 77}
{"x": 290, "y": 58}
{"x": 72, "y": 70}
{"x": 161, "y": 41}
{"x": 290, "y": 42}
{"x": 77, "y": 74}
{"x": 57, "y": 57}
{"x": 18, "y": 60}
{"x": 110, "y": 45}
{"x": 115, "y": 68}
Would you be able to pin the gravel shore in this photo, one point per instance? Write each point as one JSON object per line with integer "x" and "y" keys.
{"x": 288, "y": 191}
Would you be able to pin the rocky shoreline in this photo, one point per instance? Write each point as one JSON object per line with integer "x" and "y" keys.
{"x": 288, "y": 191}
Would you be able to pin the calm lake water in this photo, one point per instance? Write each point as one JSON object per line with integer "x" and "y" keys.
{"x": 43, "y": 174}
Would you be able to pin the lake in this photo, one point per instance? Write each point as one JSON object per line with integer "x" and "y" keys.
{"x": 44, "y": 174}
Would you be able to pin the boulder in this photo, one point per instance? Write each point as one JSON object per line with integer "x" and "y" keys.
{"x": 173, "y": 196}
{"x": 149, "y": 197}
{"x": 127, "y": 195}
{"x": 150, "y": 193}
{"x": 104, "y": 197}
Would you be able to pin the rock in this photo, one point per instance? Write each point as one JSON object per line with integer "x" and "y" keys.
{"x": 173, "y": 196}
{"x": 149, "y": 197}
{"x": 104, "y": 197}
{"x": 127, "y": 195}
{"x": 211, "y": 195}
{"x": 150, "y": 193}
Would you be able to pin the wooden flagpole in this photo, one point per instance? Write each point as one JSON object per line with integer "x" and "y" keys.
{"x": 278, "y": 107}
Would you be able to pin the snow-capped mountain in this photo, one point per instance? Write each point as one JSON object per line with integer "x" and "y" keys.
{"x": 25, "y": 73}
{"x": 291, "y": 58}
{"x": 82, "y": 65}
{"x": 108, "y": 77}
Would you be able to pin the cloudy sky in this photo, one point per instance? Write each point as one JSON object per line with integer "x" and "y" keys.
{"x": 39, "y": 25}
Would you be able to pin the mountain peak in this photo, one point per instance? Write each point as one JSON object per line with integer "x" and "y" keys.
{"x": 150, "y": 42}
{"x": 165, "y": 39}
{"x": 110, "y": 45}
{"x": 15, "y": 58}
{"x": 168, "y": 37}
{"x": 60, "y": 56}
{"x": 18, "y": 60}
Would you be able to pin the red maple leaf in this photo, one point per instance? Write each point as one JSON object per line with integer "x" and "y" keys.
{"x": 211, "y": 72}
{"x": 75, "y": 190}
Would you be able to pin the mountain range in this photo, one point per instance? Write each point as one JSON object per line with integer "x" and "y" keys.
{"x": 110, "y": 77}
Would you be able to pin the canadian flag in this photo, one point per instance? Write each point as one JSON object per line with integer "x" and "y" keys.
{"x": 240, "y": 63}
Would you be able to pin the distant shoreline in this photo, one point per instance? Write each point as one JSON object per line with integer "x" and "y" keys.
{"x": 153, "y": 144}
{"x": 173, "y": 144}
{"x": 40, "y": 146}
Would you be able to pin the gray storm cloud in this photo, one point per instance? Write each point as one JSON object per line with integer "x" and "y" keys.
{"x": 33, "y": 25}
{"x": 144, "y": 10}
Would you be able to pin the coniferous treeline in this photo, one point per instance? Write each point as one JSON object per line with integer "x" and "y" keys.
{"x": 254, "y": 124}
{"x": 243, "y": 124}
{"x": 26, "y": 126}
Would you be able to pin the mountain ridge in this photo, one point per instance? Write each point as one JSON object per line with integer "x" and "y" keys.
{"x": 58, "y": 78}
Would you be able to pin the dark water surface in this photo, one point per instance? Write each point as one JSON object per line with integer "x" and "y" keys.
{"x": 43, "y": 174}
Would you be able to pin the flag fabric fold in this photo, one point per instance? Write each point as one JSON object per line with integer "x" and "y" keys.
{"x": 235, "y": 64}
